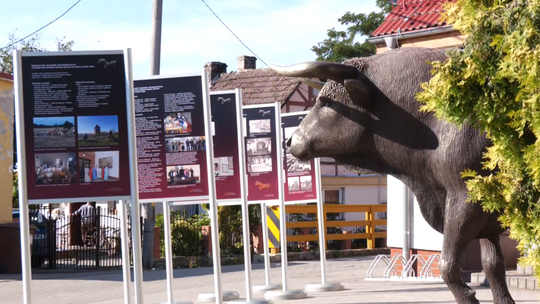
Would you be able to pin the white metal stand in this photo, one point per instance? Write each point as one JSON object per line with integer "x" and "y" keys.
{"x": 219, "y": 296}
{"x": 24, "y": 221}
{"x": 261, "y": 289}
{"x": 283, "y": 294}
{"x": 245, "y": 207}
{"x": 168, "y": 255}
{"x": 324, "y": 286}
{"x": 134, "y": 185}
{"x": 124, "y": 243}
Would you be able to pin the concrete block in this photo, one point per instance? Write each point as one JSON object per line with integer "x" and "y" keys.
{"x": 513, "y": 282}
{"x": 532, "y": 284}
{"x": 522, "y": 283}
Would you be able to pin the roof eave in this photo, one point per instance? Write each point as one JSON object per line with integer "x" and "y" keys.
{"x": 414, "y": 34}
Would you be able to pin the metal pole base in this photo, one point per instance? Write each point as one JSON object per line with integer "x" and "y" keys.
{"x": 242, "y": 301}
{"x": 262, "y": 289}
{"x": 285, "y": 295}
{"x": 211, "y": 297}
{"x": 331, "y": 286}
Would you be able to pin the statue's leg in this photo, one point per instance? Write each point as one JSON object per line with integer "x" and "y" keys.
{"x": 463, "y": 221}
{"x": 495, "y": 269}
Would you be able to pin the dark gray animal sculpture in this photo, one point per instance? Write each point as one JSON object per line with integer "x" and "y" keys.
{"x": 366, "y": 116}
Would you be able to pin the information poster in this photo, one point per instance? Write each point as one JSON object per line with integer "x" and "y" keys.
{"x": 261, "y": 153}
{"x": 171, "y": 140}
{"x": 226, "y": 153}
{"x": 75, "y": 124}
{"x": 300, "y": 179}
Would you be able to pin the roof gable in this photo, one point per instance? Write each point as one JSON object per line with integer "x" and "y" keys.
{"x": 410, "y": 16}
{"x": 259, "y": 86}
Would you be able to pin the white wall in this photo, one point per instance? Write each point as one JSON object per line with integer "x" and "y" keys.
{"x": 422, "y": 235}
{"x": 116, "y": 161}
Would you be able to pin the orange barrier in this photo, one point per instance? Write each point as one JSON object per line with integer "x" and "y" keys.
{"x": 370, "y": 223}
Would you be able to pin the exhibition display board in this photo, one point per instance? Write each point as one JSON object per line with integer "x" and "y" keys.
{"x": 300, "y": 178}
{"x": 226, "y": 145}
{"x": 171, "y": 138}
{"x": 76, "y": 126}
{"x": 261, "y": 152}
{"x": 75, "y": 140}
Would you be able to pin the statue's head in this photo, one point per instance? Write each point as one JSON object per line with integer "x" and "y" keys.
{"x": 340, "y": 118}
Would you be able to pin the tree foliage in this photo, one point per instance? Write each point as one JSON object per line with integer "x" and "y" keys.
{"x": 341, "y": 45}
{"x": 493, "y": 83}
{"x": 31, "y": 44}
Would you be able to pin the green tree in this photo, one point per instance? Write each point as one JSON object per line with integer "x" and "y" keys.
{"x": 341, "y": 45}
{"x": 67, "y": 125}
{"x": 31, "y": 44}
{"x": 493, "y": 83}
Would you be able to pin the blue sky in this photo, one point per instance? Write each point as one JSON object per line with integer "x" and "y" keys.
{"x": 279, "y": 31}
{"x": 51, "y": 121}
{"x": 86, "y": 124}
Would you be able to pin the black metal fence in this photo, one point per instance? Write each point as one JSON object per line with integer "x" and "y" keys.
{"x": 76, "y": 242}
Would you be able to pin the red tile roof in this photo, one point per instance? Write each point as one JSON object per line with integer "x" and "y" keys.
{"x": 6, "y": 76}
{"x": 259, "y": 86}
{"x": 412, "y": 15}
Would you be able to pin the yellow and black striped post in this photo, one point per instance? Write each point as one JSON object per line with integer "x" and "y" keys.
{"x": 272, "y": 220}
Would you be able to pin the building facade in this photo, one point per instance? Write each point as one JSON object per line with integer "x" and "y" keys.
{"x": 6, "y": 147}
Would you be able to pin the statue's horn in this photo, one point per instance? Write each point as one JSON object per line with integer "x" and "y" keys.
{"x": 313, "y": 83}
{"x": 318, "y": 69}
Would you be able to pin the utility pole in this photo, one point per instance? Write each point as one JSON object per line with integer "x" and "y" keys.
{"x": 148, "y": 212}
{"x": 155, "y": 51}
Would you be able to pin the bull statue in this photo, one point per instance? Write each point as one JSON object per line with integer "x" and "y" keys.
{"x": 367, "y": 117}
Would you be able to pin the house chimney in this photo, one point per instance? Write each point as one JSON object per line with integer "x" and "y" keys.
{"x": 214, "y": 70}
{"x": 246, "y": 62}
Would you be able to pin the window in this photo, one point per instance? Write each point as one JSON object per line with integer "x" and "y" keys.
{"x": 331, "y": 197}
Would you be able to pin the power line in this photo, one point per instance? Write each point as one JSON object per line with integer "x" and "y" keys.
{"x": 233, "y": 33}
{"x": 41, "y": 28}
{"x": 300, "y": 87}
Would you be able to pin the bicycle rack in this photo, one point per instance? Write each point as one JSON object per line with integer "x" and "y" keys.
{"x": 390, "y": 269}
{"x": 373, "y": 265}
{"x": 408, "y": 273}
{"x": 426, "y": 272}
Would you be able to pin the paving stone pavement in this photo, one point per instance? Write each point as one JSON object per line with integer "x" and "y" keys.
{"x": 105, "y": 286}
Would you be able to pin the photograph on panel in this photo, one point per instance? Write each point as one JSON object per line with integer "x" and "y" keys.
{"x": 305, "y": 183}
{"x": 259, "y": 146}
{"x": 177, "y": 123}
{"x": 54, "y": 132}
{"x": 223, "y": 166}
{"x": 296, "y": 165}
{"x": 56, "y": 168}
{"x": 259, "y": 126}
{"x": 258, "y": 164}
{"x": 288, "y": 133}
{"x": 183, "y": 144}
{"x": 183, "y": 174}
{"x": 98, "y": 131}
{"x": 293, "y": 184}
{"x": 99, "y": 166}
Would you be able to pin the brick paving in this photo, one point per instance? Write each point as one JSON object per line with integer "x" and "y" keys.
{"x": 105, "y": 286}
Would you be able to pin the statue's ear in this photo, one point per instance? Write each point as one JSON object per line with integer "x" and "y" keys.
{"x": 358, "y": 92}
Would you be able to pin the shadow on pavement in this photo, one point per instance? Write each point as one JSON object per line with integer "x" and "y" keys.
{"x": 115, "y": 274}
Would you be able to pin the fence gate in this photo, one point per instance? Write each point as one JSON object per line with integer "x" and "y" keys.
{"x": 72, "y": 242}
